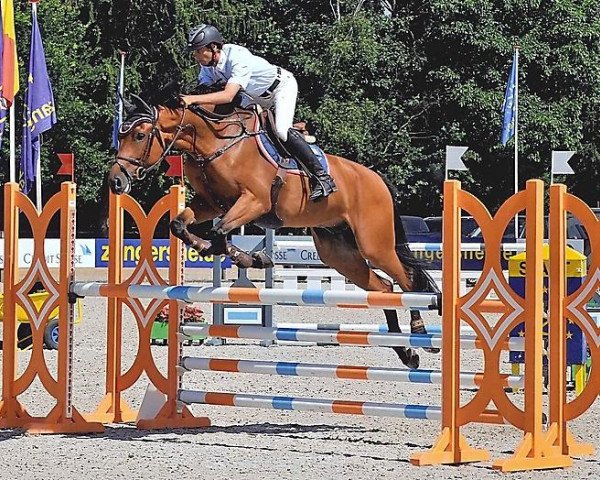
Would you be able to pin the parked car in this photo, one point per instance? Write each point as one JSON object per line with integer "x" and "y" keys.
{"x": 576, "y": 230}
{"x": 417, "y": 230}
{"x": 475, "y": 236}
{"x": 467, "y": 225}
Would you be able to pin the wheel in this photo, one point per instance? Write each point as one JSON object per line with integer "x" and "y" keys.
{"x": 51, "y": 334}
{"x": 24, "y": 338}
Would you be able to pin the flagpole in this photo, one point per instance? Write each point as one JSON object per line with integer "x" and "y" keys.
{"x": 121, "y": 86}
{"x": 516, "y": 139}
{"x": 38, "y": 166}
{"x": 12, "y": 144}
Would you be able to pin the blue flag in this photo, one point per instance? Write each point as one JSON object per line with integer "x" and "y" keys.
{"x": 39, "y": 114}
{"x": 509, "y": 107}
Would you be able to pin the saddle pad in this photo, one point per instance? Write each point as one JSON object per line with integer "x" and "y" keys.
{"x": 271, "y": 154}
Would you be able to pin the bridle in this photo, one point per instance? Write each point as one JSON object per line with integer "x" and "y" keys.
{"x": 142, "y": 171}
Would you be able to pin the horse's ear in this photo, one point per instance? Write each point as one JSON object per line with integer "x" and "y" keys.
{"x": 128, "y": 106}
{"x": 141, "y": 104}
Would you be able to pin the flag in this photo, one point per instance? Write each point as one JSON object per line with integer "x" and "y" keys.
{"x": 509, "y": 106}
{"x": 454, "y": 158}
{"x": 39, "y": 113}
{"x": 1, "y": 40}
{"x": 8, "y": 63}
{"x": 560, "y": 162}
{"x": 66, "y": 164}
{"x": 10, "y": 67}
{"x": 175, "y": 165}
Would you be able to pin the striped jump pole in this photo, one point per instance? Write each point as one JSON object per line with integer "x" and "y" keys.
{"x": 373, "y": 409}
{"x": 348, "y": 372}
{"x": 262, "y": 296}
{"x": 364, "y": 327}
{"x": 339, "y": 337}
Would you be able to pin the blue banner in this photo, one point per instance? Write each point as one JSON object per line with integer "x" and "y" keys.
{"x": 40, "y": 113}
{"x": 510, "y": 103}
{"x": 160, "y": 254}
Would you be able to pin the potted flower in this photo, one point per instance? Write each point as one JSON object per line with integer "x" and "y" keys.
{"x": 160, "y": 327}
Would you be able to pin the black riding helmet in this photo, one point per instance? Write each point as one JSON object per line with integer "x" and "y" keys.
{"x": 203, "y": 35}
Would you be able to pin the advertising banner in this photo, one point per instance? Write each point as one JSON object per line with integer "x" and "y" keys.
{"x": 84, "y": 252}
{"x": 160, "y": 254}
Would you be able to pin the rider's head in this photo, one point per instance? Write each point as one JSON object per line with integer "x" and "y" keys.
{"x": 205, "y": 41}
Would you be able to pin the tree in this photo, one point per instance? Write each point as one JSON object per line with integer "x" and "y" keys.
{"x": 385, "y": 83}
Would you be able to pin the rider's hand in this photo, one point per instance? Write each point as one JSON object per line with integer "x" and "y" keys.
{"x": 185, "y": 100}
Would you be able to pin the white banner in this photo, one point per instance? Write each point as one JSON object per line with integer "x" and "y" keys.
{"x": 85, "y": 252}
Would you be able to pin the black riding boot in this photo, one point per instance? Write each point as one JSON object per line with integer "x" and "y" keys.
{"x": 321, "y": 182}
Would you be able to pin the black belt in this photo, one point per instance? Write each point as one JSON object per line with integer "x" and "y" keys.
{"x": 274, "y": 85}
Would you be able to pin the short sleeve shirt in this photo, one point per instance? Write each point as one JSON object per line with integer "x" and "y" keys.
{"x": 238, "y": 65}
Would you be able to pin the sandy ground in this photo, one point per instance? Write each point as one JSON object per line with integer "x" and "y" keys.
{"x": 260, "y": 444}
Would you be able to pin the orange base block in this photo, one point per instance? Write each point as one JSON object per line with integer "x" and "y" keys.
{"x": 108, "y": 413}
{"x": 526, "y": 457}
{"x": 445, "y": 453}
{"x": 54, "y": 423}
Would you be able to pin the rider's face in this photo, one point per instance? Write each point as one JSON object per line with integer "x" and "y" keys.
{"x": 203, "y": 56}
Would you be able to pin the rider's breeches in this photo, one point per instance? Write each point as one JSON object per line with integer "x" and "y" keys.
{"x": 283, "y": 104}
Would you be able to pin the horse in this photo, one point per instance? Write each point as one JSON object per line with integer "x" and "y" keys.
{"x": 355, "y": 230}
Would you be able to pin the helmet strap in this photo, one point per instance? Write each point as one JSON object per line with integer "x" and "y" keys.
{"x": 214, "y": 50}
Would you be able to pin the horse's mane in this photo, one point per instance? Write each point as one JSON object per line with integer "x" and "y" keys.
{"x": 168, "y": 97}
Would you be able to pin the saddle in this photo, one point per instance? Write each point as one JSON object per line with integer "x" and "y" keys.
{"x": 267, "y": 123}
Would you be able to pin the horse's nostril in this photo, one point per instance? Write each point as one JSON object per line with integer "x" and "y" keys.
{"x": 116, "y": 185}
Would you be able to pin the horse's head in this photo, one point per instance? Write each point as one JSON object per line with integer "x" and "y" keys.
{"x": 141, "y": 146}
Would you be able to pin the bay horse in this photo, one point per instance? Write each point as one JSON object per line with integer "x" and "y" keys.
{"x": 355, "y": 230}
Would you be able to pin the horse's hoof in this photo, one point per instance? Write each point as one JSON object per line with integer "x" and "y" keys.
{"x": 262, "y": 260}
{"x": 408, "y": 356}
{"x": 239, "y": 258}
{"x": 417, "y": 327}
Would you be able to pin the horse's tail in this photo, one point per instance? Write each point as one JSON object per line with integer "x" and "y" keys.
{"x": 421, "y": 279}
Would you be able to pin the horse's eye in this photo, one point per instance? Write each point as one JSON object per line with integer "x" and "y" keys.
{"x": 139, "y": 136}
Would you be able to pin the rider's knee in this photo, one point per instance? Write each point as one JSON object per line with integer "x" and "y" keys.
{"x": 282, "y": 132}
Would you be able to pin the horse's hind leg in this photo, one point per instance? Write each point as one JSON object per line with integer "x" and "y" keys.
{"x": 339, "y": 251}
{"x": 376, "y": 241}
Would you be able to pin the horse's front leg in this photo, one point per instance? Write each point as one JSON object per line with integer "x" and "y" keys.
{"x": 247, "y": 208}
{"x": 197, "y": 212}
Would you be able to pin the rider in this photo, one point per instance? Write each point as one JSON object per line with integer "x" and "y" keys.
{"x": 264, "y": 84}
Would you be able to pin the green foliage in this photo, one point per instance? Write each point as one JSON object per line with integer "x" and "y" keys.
{"x": 386, "y": 83}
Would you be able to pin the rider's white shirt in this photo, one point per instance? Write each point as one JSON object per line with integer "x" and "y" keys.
{"x": 255, "y": 75}
{"x": 238, "y": 65}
